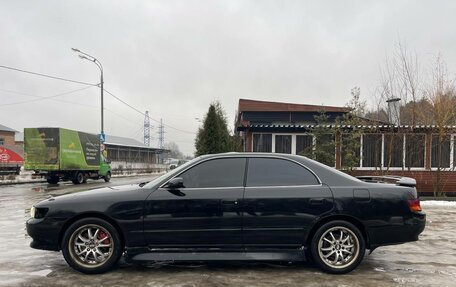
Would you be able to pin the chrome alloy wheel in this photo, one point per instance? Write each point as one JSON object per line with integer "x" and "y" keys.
{"x": 91, "y": 245}
{"x": 338, "y": 247}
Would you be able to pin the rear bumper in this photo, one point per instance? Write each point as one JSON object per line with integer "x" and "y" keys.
{"x": 44, "y": 233}
{"x": 399, "y": 232}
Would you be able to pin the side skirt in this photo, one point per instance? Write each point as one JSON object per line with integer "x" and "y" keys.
{"x": 282, "y": 255}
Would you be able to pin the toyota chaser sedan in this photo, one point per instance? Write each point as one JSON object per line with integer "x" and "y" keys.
{"x": 233, "y": 206}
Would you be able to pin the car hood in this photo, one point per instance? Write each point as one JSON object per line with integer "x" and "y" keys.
{"x": 105, "y": 194}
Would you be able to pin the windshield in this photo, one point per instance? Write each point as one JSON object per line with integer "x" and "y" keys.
{"x": 170, "y": 174}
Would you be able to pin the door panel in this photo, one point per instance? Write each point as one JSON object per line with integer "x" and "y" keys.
{"x": 281, "y": 200}
{"x": 194, "y": 217}
{"x": 205, "y": 212}
{"x": 280, "y": 216}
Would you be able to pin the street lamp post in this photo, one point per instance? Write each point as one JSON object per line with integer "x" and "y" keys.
{"x": 90, "y": 58}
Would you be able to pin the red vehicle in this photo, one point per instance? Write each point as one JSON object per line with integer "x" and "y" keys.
{"x": 11, "y": 159}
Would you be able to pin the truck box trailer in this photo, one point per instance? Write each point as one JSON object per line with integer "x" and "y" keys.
{"x": 63, "y": 154}
{"x": 11, "y": 159}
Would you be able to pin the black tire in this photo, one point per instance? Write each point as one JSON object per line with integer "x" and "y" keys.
{"x": 107, "y": 177}
{"x": 91, "y": 266}
{"x": 344, "y": 254}
{"x": 52, "y": 179}
{"x": 78, "y": 178}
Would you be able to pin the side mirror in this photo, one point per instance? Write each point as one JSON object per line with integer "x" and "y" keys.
{"x": 177, "y": 182}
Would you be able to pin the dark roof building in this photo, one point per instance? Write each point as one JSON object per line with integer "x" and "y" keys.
{"x": 424, "y": 152}
{"x": 262, "y": 112}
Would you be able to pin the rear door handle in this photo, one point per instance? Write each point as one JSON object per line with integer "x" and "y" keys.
{"x": 229, "y": 201}
{"x": 317, "y": 201}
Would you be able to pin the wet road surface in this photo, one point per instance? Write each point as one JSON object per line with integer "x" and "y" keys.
{"x": 428, "y": 262}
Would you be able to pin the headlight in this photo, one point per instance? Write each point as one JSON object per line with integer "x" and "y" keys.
{"x": 32, "y": 212}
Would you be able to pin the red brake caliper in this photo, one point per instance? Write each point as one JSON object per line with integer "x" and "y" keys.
{"x": 102, "y": 235}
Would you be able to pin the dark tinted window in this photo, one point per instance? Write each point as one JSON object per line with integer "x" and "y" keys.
{"x": 394, "y": 150}
{"x": 262, "y": 142}
{"x": 277, "y": 172}
{"x": 372, "y": 150}
{"x": 440, "y": 151}
{"x": 304, "y": 144}
{"x": 227, "y": 172}
{"x": 414, "y": 150}
{"x": 283, "y": 143}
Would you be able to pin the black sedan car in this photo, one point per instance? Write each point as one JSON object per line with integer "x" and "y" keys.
{"x": 233, "y": 206}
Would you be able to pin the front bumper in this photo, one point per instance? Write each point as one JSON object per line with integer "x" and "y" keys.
{"x": 45, "y": 233}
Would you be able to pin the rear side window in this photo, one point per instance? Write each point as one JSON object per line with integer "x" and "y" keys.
{"x": 277, "y": 172}
{"x": 226, "y": 172}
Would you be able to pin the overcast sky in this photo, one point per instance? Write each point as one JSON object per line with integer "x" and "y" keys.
{"x": 173, "y": 58}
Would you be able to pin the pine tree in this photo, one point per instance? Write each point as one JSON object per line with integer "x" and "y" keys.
{"x": 323, "y": 146}
{"x": 351, "y": 141}
{"x": 214, "y": 136}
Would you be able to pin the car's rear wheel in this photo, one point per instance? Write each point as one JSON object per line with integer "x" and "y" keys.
{"x": 91, "y": 245}
{"x": 337, "y": 247}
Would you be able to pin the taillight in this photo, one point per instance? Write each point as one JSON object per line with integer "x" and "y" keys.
{"x": 414, "y": 205}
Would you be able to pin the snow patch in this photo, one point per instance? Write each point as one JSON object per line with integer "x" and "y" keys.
{"x": 42, "y": 273}
{"x": 431, "y": 203}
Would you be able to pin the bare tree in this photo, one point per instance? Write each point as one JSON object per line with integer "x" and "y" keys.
{"x": 441, "y": 94}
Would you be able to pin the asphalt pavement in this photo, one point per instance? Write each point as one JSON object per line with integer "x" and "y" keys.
{"x": 429, "y": 262}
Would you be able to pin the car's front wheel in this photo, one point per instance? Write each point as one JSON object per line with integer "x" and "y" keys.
{"x": 337, "y": 247}
{"x": 91, "y": 245}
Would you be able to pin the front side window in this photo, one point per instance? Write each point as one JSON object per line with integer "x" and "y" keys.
{"x": 277, "y": 172}
{"x": 226, "y": 172}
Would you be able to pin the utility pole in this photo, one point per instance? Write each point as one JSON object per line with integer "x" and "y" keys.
{"x": 147, "y": 129}
{"x": 161, "y": 140}
{"x": 90, "y": 58}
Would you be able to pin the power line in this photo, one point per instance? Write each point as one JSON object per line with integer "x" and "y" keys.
{"x": 72, "y": 103}
{"x": 45, "y": 98}
{"x": 47, "y": 76}
{"x": 137, "y": 110}
{"x": 54, "y": 99}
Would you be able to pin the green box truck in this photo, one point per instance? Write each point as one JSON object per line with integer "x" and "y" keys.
{"x": 60, "y": 155}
